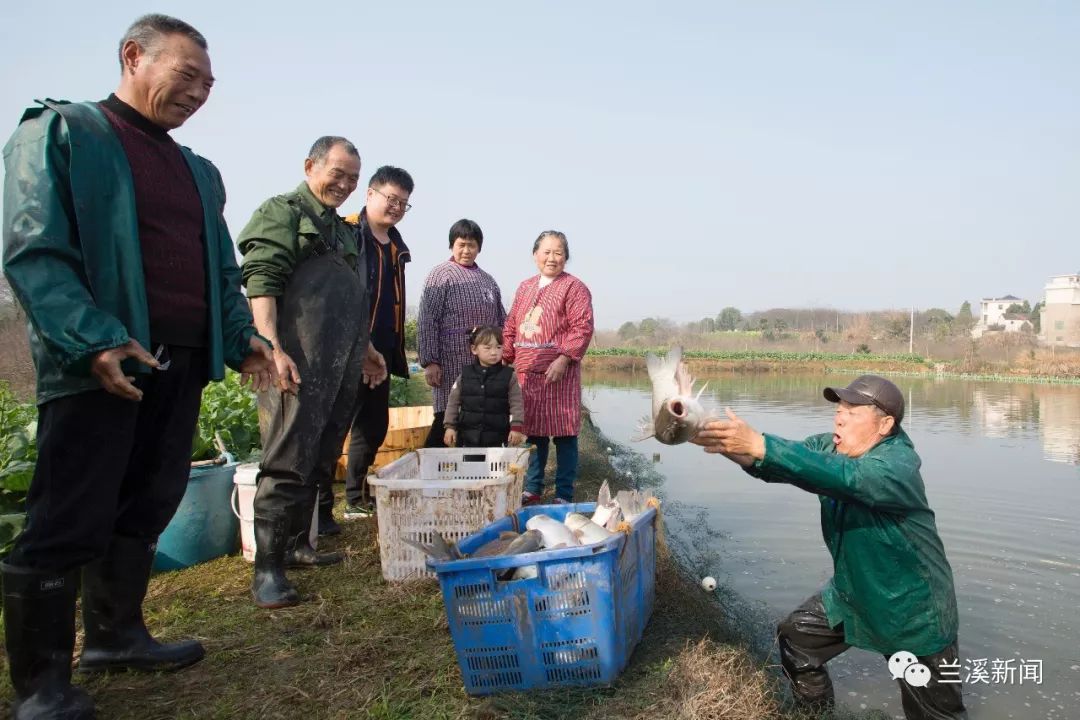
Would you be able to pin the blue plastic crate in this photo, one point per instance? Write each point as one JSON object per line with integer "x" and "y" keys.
{"x": 576, "y": 623}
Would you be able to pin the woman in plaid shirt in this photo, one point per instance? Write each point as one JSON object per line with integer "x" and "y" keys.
{"x": 457, "y": 297}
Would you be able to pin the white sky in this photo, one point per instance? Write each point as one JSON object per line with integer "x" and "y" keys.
{"x": 756, "y": 154}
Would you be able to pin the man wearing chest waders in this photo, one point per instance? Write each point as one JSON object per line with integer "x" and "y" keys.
{"x": 892, "y": 587}
{"x": 300, "y": 269}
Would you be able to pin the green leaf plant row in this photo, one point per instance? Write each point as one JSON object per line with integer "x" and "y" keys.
{"x": 18, "y": 454}
{"x": 774, "y": 355}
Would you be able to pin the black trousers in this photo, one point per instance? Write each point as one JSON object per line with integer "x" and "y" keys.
{"x": 807, "y": 643}
{"x": 367, "y": 435}
{"x": 435, "y": 435}
{"x": 109, "y": 466}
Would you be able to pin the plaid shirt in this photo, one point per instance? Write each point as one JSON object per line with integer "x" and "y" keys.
{"x": 455, "y": 299}
{"x": 543, "y": 324}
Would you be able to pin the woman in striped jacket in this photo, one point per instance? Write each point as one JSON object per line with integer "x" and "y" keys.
{"x": 458, "y": 296}
{"x": 547, "y": 332}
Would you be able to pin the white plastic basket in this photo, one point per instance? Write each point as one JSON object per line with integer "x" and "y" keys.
{"x": 455, "y": 491}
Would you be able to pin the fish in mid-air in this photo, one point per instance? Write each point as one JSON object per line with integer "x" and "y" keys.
{"x": 677, "y": 414}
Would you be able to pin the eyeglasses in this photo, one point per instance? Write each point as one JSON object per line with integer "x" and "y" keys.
{"x": 394, "y": 201}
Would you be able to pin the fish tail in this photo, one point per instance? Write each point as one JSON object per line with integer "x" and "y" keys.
{"x": 663, "y": 367}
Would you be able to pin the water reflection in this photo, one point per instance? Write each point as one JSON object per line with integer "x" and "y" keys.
{"x": 1000, "y": 415}
{"x": 994, "y": 410}
{"x": 1059, "y": 423}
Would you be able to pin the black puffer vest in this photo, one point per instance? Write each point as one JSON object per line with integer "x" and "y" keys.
{"x": 485, "y": 405}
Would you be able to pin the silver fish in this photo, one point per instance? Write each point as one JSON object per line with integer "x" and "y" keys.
{"x": 527, "y": 542}
{"x": 632, "y": 503}
{"x": 587, "y": 531}
{"x": 525, "y": 572}
{"x": 498, "y": 546}
{"x": 608, "y": 514}
{"x": 439, "y": 548}
{"x": 677, "y": 414}
{"x": 555, "y": 533}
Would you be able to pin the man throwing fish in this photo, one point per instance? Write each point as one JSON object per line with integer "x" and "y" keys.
{"x": 892, "y": 587}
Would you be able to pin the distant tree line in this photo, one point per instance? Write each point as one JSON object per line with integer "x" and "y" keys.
{"x": 935, "y": 324}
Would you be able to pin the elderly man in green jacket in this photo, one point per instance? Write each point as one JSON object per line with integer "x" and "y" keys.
{"x": 300, "y": 268}
{"x": 115, "y": 245}
{"x": 892, "y": 587}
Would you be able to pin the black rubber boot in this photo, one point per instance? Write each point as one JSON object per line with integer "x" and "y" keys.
{"x": 39, "y": 626}
{"x": 114, "y": 587}
{"x": 327, "y": 524}
{"x": 299, "y": 553}
{"x": 270, "y": 588}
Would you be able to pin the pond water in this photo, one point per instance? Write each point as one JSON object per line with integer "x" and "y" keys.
{"x": 1000, "y": 463}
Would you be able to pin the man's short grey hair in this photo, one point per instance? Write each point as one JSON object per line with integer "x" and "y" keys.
{"x": 325, "y": 144}
{"x": 147, "y": 32}
{"x": 878, "y": 412}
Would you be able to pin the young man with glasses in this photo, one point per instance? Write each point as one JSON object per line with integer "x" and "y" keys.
{"x": 386, "y": 253}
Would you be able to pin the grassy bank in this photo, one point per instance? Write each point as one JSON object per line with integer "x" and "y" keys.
{"x": 1039, "y": 367}
{"x": 755, "y": 361}
{"x": 362, "y": 648}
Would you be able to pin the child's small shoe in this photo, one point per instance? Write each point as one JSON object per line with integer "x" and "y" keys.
{"x": 528, "y": 498}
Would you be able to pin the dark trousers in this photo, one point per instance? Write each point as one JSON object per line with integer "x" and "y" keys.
{"x": 302, "y": 438}
{"x": 437, "y": 432}
{"x": 566, "y": 466}
{"x": 109, "y": 466}
{"x": 807, "y": 643}
{"x": 368, "y": 433}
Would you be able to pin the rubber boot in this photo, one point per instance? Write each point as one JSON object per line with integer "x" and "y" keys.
{"x": 270, "y": 588}
{"x": 114, "y": 587}
{"x": 299, "y": 553}
{"x": 327, "y": 524}
{"x": 39, "y": 627}
{"x": 811, "y": 687}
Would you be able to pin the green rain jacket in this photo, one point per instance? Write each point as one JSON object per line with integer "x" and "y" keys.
{"x": 892, "y": 586}
{"x": 72, "y": 254}
{"x": 281, "y": 235}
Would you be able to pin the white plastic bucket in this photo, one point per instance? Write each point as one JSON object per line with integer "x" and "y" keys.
{"x": 243, "y": 506}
